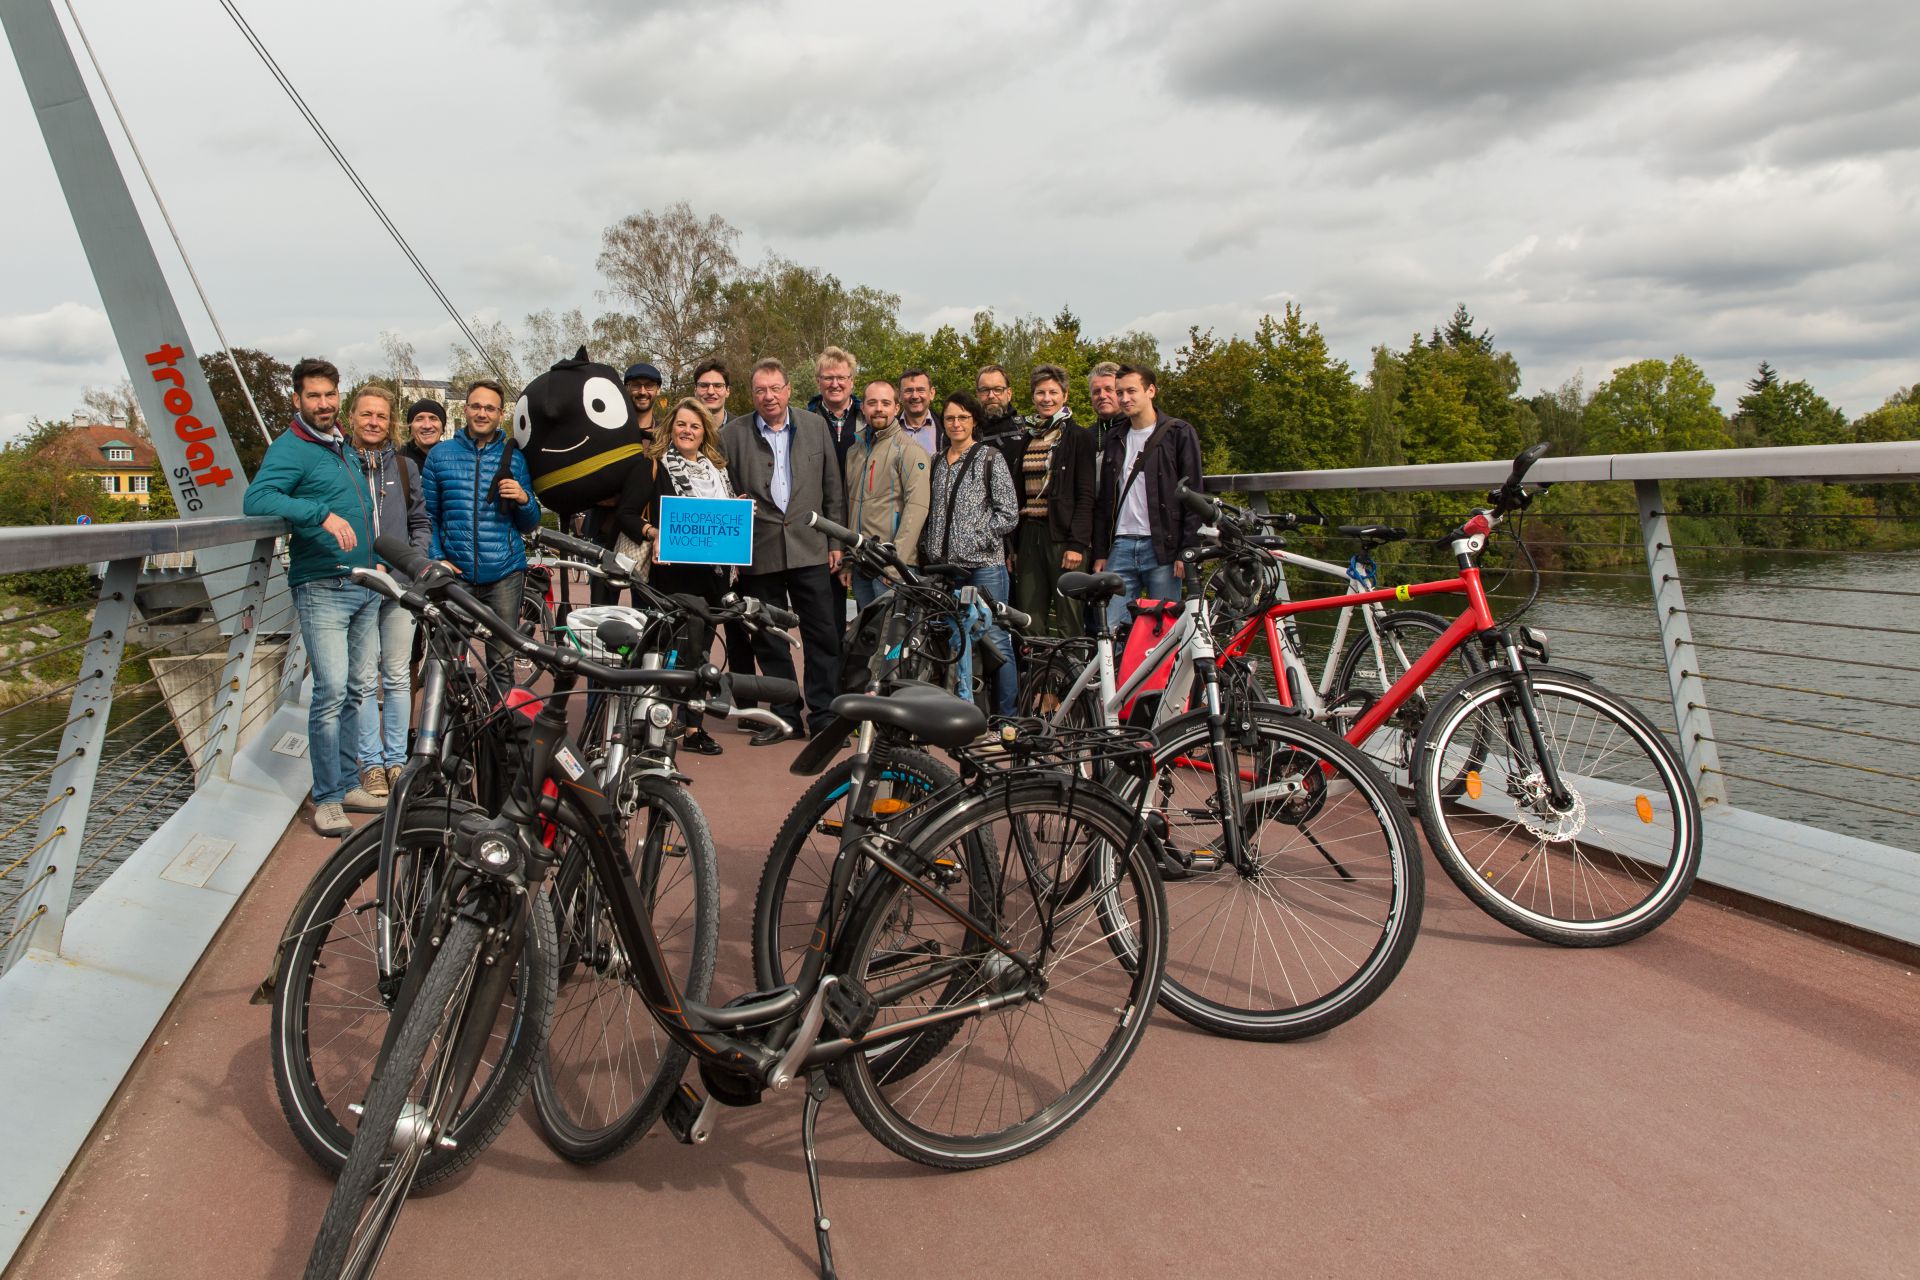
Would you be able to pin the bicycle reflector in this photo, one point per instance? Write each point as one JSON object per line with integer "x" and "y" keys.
{"x": 891, "y": 805}
{"x": 1473, "y": 784}
{"x": 1643, "y": 807}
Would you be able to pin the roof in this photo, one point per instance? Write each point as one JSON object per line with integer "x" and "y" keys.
{"x": 88, "y": 446}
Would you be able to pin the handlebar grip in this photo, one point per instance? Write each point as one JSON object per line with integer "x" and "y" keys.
{"x": 1013, "y": 617}
{"x": 401, "y": 554}
{"x": 769, "y": 689}
{"x": 577, "y": 548}
{"x": 838, "y": 532}
{"x": 1198, "y": 503}
{"x": 785, "y": 619}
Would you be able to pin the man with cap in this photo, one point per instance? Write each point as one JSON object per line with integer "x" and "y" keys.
{"x": 643, "y": 388}
{"x": 426, "y": 423}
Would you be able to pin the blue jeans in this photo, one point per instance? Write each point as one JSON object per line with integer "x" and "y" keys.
{"x": 866, "y": 590}
{"x": 1132, "y": 558}
{"x": 340, "y": 623}
{"x": 383, "y": 727}
{"x": 992, "y": 579}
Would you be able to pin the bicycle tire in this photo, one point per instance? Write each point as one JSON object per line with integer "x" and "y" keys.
{"x": 1625, "y": 778}
{"x": 1046, "y": 686}
{"x": 609, "y": 1070}
{"x": 1405, "y": 634}
{"x": 1329, "y": 913}
{"x": 323, "y": 1052}
{"x": 1003, "y": 1061}
{"x": 384, "y": 1162}
{"x": 798, "y": 867}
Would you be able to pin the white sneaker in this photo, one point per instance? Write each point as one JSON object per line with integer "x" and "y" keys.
{"x": 361, "y": 800}
{"x": 331, "y": 820}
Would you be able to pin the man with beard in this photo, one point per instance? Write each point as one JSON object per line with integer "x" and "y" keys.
{"x": 887, "y": 479}
{"x": 1003, "y": 429}
{"x": 916, "y": 410}
{"x": 310, "y": 479}
{"x": 643, "y": 388}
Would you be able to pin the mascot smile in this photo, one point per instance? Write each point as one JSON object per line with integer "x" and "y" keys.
{"x": 579, "y": 432}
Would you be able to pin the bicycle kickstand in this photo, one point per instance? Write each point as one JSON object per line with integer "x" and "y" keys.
{"x": 817, "y": 1088}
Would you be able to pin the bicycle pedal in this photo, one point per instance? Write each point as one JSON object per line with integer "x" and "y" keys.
{"x": 1203, "y": 860}
{"x": 689, "y": 1117}
{"x": 849, "y": 1008}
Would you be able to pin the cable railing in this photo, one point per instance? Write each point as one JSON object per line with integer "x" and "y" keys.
{"x": 1804, "y": 652}
{"x": 117, "y": 707}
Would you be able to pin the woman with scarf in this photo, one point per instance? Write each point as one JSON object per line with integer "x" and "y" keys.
{"x": 683, "y": 461}
{"x": 1056, "y": 511}
{"x": 972, "y": 507}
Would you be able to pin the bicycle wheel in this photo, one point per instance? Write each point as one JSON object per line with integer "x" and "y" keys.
{"x": 1405, "y": 636}
{"x": 1613, "y": 865}
{"x": 1325, "y": 914}
{"x": 800, "y": 865}
{"x": 1079, "y": 899}
{"x": 1047, "y": 684}
{"x": 408, "y": 1108}
{"x": 609, "y": 1070}
{"x": 330, "y": 1009}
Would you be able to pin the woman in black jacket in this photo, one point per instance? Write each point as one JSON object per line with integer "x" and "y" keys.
{"x": 682, "y": 461}
{"x": 1054, "y": 474}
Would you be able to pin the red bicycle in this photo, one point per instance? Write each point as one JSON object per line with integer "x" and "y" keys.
{"x": 1554, "y": 805}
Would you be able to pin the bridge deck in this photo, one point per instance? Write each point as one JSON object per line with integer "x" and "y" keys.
{"x": 1725, "y": 1097}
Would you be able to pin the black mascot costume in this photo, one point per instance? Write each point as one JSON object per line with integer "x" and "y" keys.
{"x": 580, "y": 434}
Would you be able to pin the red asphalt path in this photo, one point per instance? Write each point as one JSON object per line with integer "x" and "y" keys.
{"x": 1725, "y": 1097}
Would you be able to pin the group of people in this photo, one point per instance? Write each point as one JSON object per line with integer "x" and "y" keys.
{"x": 1014, "y": 500}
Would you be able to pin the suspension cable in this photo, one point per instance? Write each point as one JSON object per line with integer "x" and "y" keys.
{"x": 353, "y": 176}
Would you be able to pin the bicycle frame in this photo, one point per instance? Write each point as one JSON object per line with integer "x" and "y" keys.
{"x": 1190, "y": 642}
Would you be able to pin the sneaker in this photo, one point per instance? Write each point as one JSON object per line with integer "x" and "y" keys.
{"x": 331, "y": 820}
{"x": 393, "y": 776}
{"x": 360, "y": 800}
{"x": 373, "y": 781}
{"x": 701, "y": 743}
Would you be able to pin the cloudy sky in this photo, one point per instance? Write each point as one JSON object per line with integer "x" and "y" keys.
{"x": 1598, "y": 182}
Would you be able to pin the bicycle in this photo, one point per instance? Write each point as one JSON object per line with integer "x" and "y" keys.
{"x": 902, "y": 964}
{"x": 1292, "y": 875}
{"x": 1554, "y": 805}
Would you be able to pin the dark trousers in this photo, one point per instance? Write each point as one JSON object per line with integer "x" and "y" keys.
{"x": 503, "y": 597}
{"x": 809, "y": 592}
{"x": 696, "y": 637}
{"x": 602, "y": 527}
{"x": 1036, "y": 569}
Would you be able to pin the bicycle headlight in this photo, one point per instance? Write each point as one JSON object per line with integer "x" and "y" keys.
{"x": 659, "y": 715}
{"x": 1534, "y": 642}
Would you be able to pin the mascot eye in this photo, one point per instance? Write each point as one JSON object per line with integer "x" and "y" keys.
{"x": 605, "y": 403}
{"x": 522, "y": 423}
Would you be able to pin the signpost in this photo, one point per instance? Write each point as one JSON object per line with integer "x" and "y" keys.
{"x": 706, "y": 531}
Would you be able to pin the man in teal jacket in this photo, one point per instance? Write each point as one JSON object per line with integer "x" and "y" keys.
{"x": 311, "y": 479}
{"x": 479, "y": 497}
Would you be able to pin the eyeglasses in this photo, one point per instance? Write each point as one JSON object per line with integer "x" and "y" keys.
{"x": 992, "y": 391}
{"x": 709, "y": 386}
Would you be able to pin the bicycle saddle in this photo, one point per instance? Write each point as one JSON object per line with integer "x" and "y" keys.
{"x": 1374, "y": 534}
{"x": 932, "y": 716}
{"x": 1081, "y": 586}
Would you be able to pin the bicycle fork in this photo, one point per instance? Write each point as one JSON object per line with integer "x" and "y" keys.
{"x": 1557, "y": 793}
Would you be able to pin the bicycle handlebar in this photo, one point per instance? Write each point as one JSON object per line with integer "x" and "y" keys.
{"x": 610, "y": 564}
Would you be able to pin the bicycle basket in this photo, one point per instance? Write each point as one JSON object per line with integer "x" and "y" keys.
{"x": 583, "y": 625}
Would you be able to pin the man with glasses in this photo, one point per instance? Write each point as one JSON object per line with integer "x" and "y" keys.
{"x": 479, "y": 498}
{"x": 916, "y": 411}
{"x": 1003, "y": 429}
{"x": 643, "y": 388}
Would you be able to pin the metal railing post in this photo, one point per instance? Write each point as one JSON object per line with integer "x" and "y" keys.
{"x": 41, "y": 917}
{"x": 223, "y": 738}
{"x": 1691, "y": 721}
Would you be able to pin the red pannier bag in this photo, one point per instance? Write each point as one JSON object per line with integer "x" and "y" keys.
{"x": 1151, "y": 621}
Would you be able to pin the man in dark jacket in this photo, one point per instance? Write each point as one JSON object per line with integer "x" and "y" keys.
{"x": 479, "y": 499}
{"x": 312, "y": 480}
{"x": 1054, "y": 473}
{"x": 783, "y": 459}
{"x": 426, "y": 423}
{"x": 1139, "y": 524}
{"x": 834, "y": 369}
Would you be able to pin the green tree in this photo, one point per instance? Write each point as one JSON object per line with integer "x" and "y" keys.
{"x": 1776, "y": 413}
{"x": 270, "y": 381}
{"x": 793, "y": 313}
{"x": 1655, "y": 406}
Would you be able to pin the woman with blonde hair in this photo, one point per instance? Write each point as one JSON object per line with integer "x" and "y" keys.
{"x": 683, "y": 460}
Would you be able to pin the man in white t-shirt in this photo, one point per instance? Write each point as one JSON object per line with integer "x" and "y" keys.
{"x": 1139, "y": 524}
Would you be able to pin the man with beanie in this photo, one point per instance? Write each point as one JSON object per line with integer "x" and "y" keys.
{"x": 426, "y": 423}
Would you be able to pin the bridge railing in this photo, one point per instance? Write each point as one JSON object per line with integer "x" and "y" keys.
{"x": 1784, "y": 672}
{"x": 123, "y": 703}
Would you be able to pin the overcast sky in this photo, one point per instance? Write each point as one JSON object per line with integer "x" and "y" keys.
{"x": 1599, "y": 183}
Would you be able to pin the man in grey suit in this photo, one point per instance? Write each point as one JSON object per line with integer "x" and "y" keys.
{"x": 783, "y": 458}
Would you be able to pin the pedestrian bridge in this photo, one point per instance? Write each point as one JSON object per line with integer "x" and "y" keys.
{"x": 1733, "y": 1094}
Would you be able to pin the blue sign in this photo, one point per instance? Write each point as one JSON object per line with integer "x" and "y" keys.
{"x": 83, "y": 519}
{"x": 705, "y": 531}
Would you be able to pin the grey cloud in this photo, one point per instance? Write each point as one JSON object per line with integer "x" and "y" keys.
{"x": 68, "y": 334}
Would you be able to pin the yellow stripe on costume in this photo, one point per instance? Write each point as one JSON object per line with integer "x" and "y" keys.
{"x": 586, "y": 467}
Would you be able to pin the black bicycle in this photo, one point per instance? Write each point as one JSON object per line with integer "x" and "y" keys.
{"x": 1024, "y": 1003}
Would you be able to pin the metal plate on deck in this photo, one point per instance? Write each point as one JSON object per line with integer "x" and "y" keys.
{"x": 292, "y": 744}
{"x": 195, "y": 864}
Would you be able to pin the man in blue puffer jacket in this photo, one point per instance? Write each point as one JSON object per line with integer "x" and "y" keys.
{"x": 479, "y": 514}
